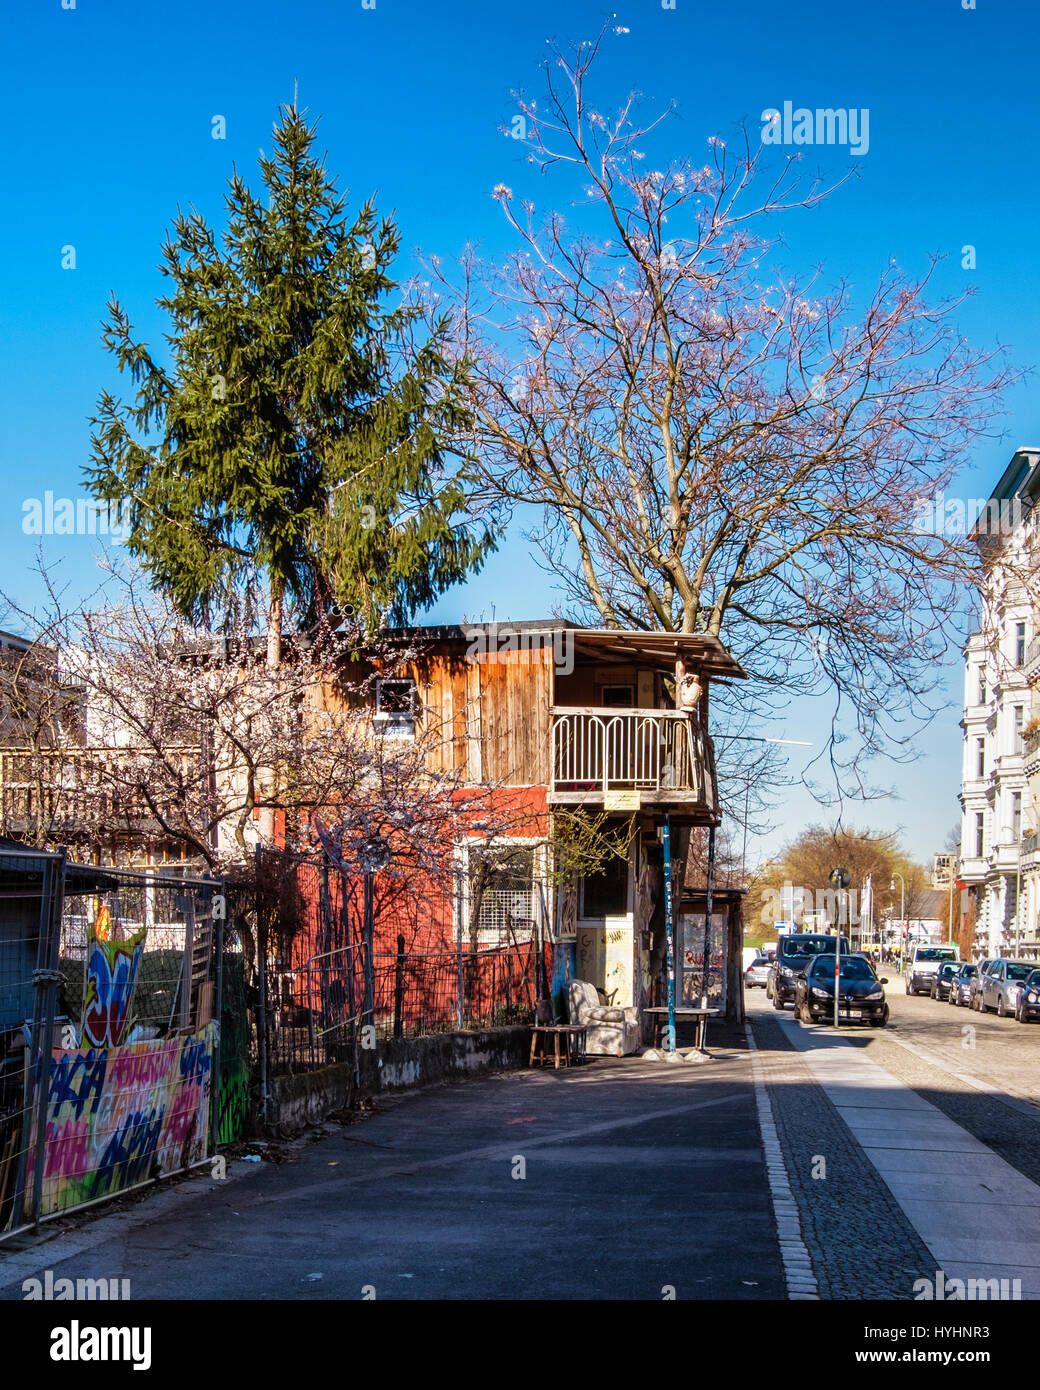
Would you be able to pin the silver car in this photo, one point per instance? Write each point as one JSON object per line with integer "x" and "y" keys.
{"x": 1000, "y": 985}
{"x": 757, "y": 973}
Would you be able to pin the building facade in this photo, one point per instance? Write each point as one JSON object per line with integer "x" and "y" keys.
{"x": 1000, "y": 772}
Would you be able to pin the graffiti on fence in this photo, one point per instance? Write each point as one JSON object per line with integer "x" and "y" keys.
{"x": 117, "y": 1116}
{"x": 112, "y": 966}
{"x": 232, "y": 1103}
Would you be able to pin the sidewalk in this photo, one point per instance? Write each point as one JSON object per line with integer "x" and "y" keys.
{"x": 978, "y": 1216}
{"x": 620, "y": 1179}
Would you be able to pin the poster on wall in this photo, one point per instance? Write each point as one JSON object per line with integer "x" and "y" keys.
{"x": 691, "y": 927}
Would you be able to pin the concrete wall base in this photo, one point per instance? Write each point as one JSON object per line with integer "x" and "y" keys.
{"x": 395, "y": 1065}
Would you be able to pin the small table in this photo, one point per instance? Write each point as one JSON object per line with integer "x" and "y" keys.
{"x": 574, "y": 1044}
{"x": 683, "y": 1013}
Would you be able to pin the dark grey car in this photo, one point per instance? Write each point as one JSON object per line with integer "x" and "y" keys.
{"x": 943, "y": 976}
{"x": 960, "y": 984}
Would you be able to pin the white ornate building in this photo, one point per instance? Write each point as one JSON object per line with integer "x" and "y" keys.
{"x": 1001, "y": 755}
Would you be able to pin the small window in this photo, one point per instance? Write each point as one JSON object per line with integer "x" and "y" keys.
{"x": 605, "y": 894}
{"x": 1020, "y": 644}
{"x": 982, "y": 685}
{"x": 619, "y": 697}
{"x": 980, "y": 834}
{"x": 1020, "y": 724}
{"x": 980, "y": 757}
{"x": 1016, "y": 815}
{"x": 396, "y": 706}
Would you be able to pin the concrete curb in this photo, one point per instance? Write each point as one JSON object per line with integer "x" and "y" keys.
{"x": 798, "y": 1270}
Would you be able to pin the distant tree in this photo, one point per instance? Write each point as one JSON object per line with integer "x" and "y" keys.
{"x": 800, "y": 875}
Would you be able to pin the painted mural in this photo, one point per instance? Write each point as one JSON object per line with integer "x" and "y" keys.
{"x": 119, "y": 1115}
{"x": 113, "y": 962}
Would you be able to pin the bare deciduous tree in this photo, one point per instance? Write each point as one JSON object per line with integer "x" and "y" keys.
{"x": 718, "y": 445}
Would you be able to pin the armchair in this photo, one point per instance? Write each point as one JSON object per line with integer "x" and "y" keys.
{"x": 609, "y": 1032}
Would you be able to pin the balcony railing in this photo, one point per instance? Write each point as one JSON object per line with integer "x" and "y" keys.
{"x": 662, "y": 753}
{"x": 54, "y": 786}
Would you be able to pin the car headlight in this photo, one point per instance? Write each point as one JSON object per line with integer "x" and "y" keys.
{"x": 1033, "y": 997}
{"x": 878, "y": 993}
{"x": 821, "y": 993}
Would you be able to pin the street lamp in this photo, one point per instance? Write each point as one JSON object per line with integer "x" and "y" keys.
{"x": 902, "y": 911}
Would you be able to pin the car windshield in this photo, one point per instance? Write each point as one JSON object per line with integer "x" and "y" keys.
{"x": 801, "y": 947}
{"x": 755, "y": 964}
{"x": 1034, "y": 980}
{"x": 935, "y": 953}
{"x": 945, "y": 971}
{"x": 1020, "y": 969}
{"x": 968, "y": 971}
{"x": 852, "y": 967}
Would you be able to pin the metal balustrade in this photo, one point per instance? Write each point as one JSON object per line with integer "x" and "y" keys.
{"x": 665, "y": 753}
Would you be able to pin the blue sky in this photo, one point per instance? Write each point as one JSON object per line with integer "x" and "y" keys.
{"x": 115, "y": 104}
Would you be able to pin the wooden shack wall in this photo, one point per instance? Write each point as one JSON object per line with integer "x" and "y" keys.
{"x": 489, "y": 718}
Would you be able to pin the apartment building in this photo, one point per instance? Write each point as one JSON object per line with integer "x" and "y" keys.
{"x": 1000, "y": 775}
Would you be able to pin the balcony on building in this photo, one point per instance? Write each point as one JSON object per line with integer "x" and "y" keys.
{"x": 618, "y": 742}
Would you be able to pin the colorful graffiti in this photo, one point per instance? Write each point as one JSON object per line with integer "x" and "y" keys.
{"x": 112, "y": 966}
{"x": 120, "y": 1115}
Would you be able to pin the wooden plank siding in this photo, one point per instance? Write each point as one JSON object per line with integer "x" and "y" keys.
{"x": 491, "y": 718}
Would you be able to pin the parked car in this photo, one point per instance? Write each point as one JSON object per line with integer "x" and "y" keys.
{"x": 976, "y": 984}
{"x": 757, "y": 973}
{"x": 943, "y": 978}
{"x": 960, "y": 984}
{"x": 861, "y": 995}
{"x": 924, "y": 964}
{"x": 1027, "y": 1006}
{"x": 1001, "y": 983}
{"x": 795, "y": 952}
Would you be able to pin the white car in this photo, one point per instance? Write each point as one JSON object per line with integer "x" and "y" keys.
{"x": 757, "y": 973}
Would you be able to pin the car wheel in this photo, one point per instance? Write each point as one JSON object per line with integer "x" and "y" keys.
{"x": 769, "y": 990}
{"x": 1020, "y": 1013}
{"x": 778, "y": 1003}
{"x": 1001, "y": 1007}
{"x": 983, "y": 1007}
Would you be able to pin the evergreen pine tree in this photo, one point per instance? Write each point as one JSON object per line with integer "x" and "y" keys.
{"x": 295, "y": 446}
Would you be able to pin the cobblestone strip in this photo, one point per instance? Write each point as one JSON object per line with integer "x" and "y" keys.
{"x": 859, "y": 1241}
{"x": 798, "y": 1270}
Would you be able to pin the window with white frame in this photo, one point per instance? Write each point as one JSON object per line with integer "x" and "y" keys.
{"x": 1020, "y": 644}
{"x": 396, "y": 708}
{"x": 504, "y": 893}
{"x": 980, "y": 834}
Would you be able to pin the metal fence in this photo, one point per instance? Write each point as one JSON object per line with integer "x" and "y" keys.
{"x": 110, "y": 992}
{"x": 327, "y": 984}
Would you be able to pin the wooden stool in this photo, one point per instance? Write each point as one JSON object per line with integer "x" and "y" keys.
{"x": 573, "y": 1035}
